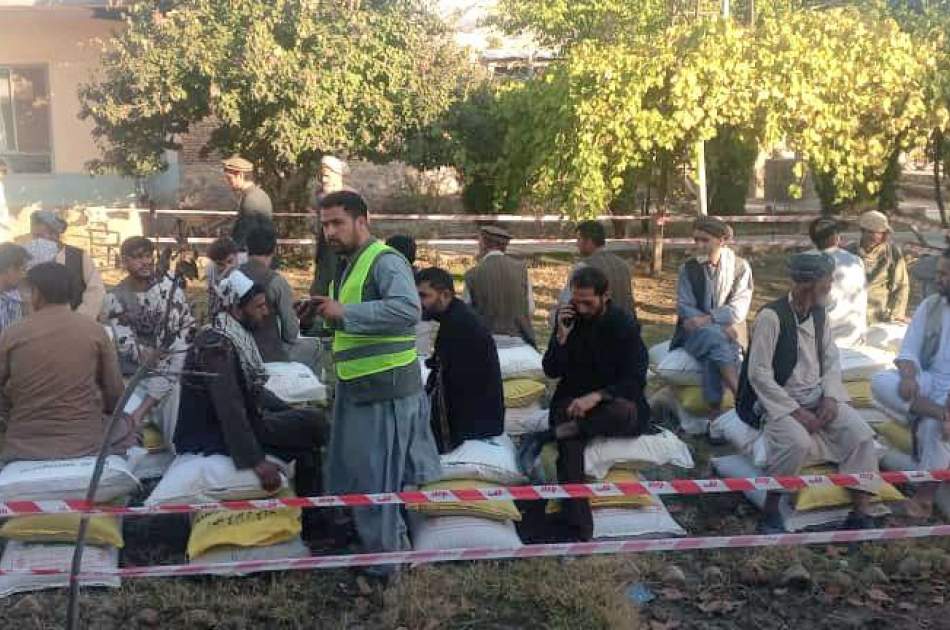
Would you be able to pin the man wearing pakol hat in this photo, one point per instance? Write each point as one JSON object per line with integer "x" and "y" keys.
{"x": 888, "y": 280}
{"x": 848, "y": 302}
{"x": 713, "y": 295}
{"x": 498, "y": 287}
{"x": 918, "y": 389}
{"x": 254, "y": 207}
{"x": 790, "y": 387}
{"x": 225, "y": 408}
{"x": 86, "y": 290}
{"x": 381, "y": 440}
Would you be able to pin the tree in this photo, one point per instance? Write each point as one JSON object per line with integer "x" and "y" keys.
{"x": 288, "y": 81}
{"x": 849, "y": 91}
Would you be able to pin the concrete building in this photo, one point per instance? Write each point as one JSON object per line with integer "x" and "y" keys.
{"x": 47, "y": 49}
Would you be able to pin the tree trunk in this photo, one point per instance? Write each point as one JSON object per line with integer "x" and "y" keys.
{"x": 887, "y": 198}
{"x": 938, "y": 184}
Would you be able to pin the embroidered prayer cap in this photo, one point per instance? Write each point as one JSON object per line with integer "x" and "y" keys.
{"x": 237, "y": 164}
{"x": 874, "y": 221}
{"x": 234, "y": 287}
{"x": 713, "y": 226}
{"x": 810, "y": 266}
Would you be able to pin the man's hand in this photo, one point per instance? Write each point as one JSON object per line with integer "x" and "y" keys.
{"x": 269, "y": 475}
{"x": 566, "y": 321}
{"x": 329, "y": 309}
{"x": 731, "y": 333}
{"x": 580, "y": 407}
{"x": 807, "y": 419}
{"x": 827, "y": 411}
{"x": 695, "y": 323}
{"x": 908, "y": 389}
{"x": 306, "y": 312}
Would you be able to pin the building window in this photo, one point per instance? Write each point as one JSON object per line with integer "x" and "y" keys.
{"x": 25, "y": 119}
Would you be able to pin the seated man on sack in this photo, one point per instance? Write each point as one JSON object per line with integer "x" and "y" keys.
{"x": 468, "y": 401}
{"x": 791, "y": 386}
{"x": 848, "y": 302}
{"x": 713, "y": 296}
{"x": 13, "y": 260}
{"x": 147, "y": 312}
{"x": 887, "y": 279}
{"x": 597, "y": 353}
{"x": 225, "y": 408}
{"x": 59, "y": 377}
{"x": 921, "y": 383}
{"x": 281, "y": 327}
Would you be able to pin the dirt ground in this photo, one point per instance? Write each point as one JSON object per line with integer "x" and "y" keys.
{"x": 895, "y": 585}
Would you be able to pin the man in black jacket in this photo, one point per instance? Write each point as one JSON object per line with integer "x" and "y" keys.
{"x": 598, "y": 354}
{"x": 465, "y": 383}
{"x": 225, "y": 408}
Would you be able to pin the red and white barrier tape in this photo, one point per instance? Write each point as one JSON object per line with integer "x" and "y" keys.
{"x": 467, "y": 495}
{"x": 528, "y": 551}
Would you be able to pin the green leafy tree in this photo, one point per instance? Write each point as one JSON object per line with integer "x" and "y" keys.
{"x": 288, "y": 81}
{"x": 848, "y": 90}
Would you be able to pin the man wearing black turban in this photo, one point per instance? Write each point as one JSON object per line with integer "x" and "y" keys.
{"x": 790, "y": 387}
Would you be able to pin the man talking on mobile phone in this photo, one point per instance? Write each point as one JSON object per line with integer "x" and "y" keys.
{"x": 598, "y": 354}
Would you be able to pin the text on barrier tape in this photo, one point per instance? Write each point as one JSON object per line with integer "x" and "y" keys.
{"x": 516, "y": 493}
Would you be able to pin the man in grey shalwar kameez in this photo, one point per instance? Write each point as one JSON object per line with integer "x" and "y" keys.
{"x": 381, "y": 440}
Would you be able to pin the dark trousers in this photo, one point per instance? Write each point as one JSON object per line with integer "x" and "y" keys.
{"x": 617, "y": 418}
{"x": 297, "y": 435}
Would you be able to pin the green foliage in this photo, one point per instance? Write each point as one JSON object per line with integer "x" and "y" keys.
{"x": 288, "y": 81}
{"x": 844, "y": 84}
{"x": 847, "y": 90}
{"x": 730, "y": 158}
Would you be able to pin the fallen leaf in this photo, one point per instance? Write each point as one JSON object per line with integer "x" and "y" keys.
{"x": 877, "y": 595}
{"x": 663, "y": 625}
{"x": 854, "y": 601}
{"x": 907, "y": 606}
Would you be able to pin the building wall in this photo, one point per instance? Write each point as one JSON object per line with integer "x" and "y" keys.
{"x": 63, "y": 39}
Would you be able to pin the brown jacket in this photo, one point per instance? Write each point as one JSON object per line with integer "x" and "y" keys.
{"x": 59, "y": 375}
{"x": 618, "y": 278}
{"x": 498, "y": 290}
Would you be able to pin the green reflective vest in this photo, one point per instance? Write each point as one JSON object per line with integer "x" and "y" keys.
{"x": 359, "y": 355}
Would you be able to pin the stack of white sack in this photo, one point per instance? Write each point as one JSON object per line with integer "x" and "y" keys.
{"x": 886, "y": 336}
{"x": 620, "y": 460}
{"x": 295, "y": 383}
{"x": 227, "y": 536}
{"x": 203, "y": 478}
{"x": 812, "y": 507}
{"x": 486, "y": 464}
{"x": 47, "y": 541}
{"x": 675, "y": 367}
{"x": 524, "y": 382}
{"x": 219, "y": 537}
{"x": 21, "y": 558}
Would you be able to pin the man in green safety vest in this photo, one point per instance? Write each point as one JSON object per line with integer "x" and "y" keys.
{"x": 381, "y": 440}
